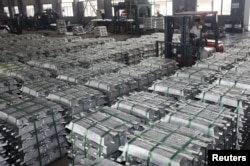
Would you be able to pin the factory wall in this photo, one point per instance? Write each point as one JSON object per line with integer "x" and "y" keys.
{"x": 237, "y": 13}
{"x": 184, "y": 5}
{"x": 178, "y": 5}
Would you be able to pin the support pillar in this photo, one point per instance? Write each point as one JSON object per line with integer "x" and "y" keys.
{"x": 247, "y": 15}
{"x": 108, "y": 9}
{"x": 20, "y": 6}
{"x": 11, "y": 8}
{"x": 1, "y": 6}
{"x": 38, "y": 6}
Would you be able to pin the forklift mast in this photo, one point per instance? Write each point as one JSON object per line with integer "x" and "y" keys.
{"x": 182, "y": 48}
{"x": 210, "y": 20}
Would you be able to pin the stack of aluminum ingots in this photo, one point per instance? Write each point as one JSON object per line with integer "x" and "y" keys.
{"x": 12, "y": 67}
{"x": 8, "y": 84}
{"x": 53, "y": 64}
{"x": 147, "y": 106}
{"x": 78, "y": 98}
{"x": 131, "y": 121}
{"x": 148, "y": 23}
{"x": 177, "y": 87}
{"x": 167, "y": 66}
{"x": 237, "y": 100}
{"x": 61, "y": 26}
{"x": 7, "y": 56}
{"x": 94, "y": 162}
{"x": 159, "y": 23}
{"x": 149, "y": 49}
{"x": 96, "y": 134}
{"x": 36, "y": 130}
{"x": 144, "y": 75}
{"x": 132, "y": 56}
{"x": 199, "y": 74}
{"x": 214, "y": 121}
{"x": 113, "y": 85}
{"x": 166, "y": 144}
{"x": 215, "y": 64}
{"x": 233, "y": 58}
{"x": 238, "y": 52}
{"x": 42, "y": 88}
{"x": 241, "y": 67}
{"x": 26, "y": 74}
{"x": 100, "y": 31}
{"x": 107, "y": 67}
{"x": 236, "y": 79}
{"x": 77, "y": 75}
{"x": 3, "y": 146}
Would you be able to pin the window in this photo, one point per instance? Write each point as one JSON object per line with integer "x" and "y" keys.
{"x": 30, "y": 11}
{"x": 6, "y": 10}
{"x": 116, "y": 2}
{"x": 47, "y": 6}
{"x": 165, "y": 7}
{"x": 169, "y": 8}
{"x": 67, "y": 9}
{"x": 204, "y": 5}
{"x": 89, "y": 8}
{"x": 217, "y": 6}
{"x": 223, "y": 7}
{"x": 226, "y": 7}
{"x": 16, "y": 10}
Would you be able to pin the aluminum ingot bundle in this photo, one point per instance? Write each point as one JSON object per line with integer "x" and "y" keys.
{"x": 240, "y": 48}
{"x": 130, "y": 121}
{"x": 28, "y": 74}
{"x": 113, "y": 85}
{"x": 96, "y": 134}
{"x": 77, "y": 75}
{"x": 192, "y": 133}
{"x": 236, "y": 99}
{"x": 214, "y": 64}
{"x": 78, "y": 98}
{"x": 100, "y": 31}
{"x": 11, "y": 67}
{"x": 97, "y": 161}
{"x": 228, "y": 96}
{"x": 199, "y": 74}
{"x": 144, "y": 75}
{"x": 236, "y": 79}
{"x": 214, "y": 121}
{"x": 177, "y": 87}
{"x": 167, "y": 66}
{"x": 36, "y": 128}
{"x": 107, "y": 67}
{"x": 7, "y": 56}
{"x": 242, "y": 67}
{"x": 229, "y": 56}
{"x": 160, "y": 146}
{"x": 53, "y": 64}
{"x": 7, "y": 84}
{"x": 147, "y": 106}
{"x": 42, "y": 88}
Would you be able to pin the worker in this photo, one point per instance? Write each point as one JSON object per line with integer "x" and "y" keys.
{"x": 159, "y": 14}
{"x": 102, "y": 14}
{"x": 198, "y": 39}
{"x": 195, "y": 32}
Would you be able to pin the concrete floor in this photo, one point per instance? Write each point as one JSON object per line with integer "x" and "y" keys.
{"x": 229, "y": 40}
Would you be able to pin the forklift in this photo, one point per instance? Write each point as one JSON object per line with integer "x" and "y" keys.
{"x": 178, "y": 40}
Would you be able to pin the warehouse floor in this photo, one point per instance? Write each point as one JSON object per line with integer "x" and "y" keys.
{"x": 229, "y": 40}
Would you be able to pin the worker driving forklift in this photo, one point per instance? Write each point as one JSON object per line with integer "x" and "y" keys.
{"x": 198, "y": 37}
